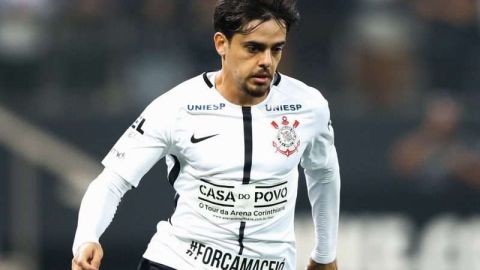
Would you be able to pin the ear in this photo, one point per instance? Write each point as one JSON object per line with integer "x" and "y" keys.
{"x": 221, "y": 43}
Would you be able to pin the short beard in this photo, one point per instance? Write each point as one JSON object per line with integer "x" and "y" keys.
{"x": 255, "y": 91}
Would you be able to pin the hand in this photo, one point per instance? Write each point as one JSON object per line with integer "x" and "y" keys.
{"x": 88, "y": 257}
{"x": 312, "y": 265}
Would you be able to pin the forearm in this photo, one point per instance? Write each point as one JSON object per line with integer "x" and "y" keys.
{"x": 98, "y": 207}
{"x": 324, "y": 194}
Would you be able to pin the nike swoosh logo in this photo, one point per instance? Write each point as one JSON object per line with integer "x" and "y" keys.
{"x": 197, "y": 140}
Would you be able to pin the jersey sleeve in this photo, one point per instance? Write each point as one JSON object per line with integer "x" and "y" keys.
{"x": 143, "y": 144}
{"x": 320, "y": 153}
{"x": 98, "y": 207}
{"x": 322, "y": 175}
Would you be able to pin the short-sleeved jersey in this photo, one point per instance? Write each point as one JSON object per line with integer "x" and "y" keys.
{"x": 233, "y": 168}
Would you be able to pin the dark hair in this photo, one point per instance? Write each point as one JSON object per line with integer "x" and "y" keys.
{"x": 231, "y": 16}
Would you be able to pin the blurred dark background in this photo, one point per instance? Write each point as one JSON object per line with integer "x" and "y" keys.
{"x": 402, "y": 78}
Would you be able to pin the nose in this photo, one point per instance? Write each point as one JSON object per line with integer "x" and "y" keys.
{"x": 266, "y": 59}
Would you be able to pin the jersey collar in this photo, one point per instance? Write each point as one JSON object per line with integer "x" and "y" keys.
{"x": 276, "y": 81}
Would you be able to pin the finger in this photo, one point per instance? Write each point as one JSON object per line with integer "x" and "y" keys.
{"x": 86, "y": 266}
{"x": 82, "y": 262}
{"x": 77, "y": 265}
{"x": 96, "y": 260}
{"x": 74, "y": 265}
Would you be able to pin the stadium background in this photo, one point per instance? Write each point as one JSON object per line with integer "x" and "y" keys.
{"x": 402, "y": 78}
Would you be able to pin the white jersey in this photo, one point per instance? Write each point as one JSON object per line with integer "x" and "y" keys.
{"x": 234, "y": 170}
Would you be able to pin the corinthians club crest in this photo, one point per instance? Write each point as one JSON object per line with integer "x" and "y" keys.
{"x": 286, "y": 141}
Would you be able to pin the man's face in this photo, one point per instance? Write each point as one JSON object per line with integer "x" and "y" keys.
{"x": 251, "y": 59}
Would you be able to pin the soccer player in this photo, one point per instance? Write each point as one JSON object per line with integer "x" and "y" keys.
{"x": 232, "y": 140}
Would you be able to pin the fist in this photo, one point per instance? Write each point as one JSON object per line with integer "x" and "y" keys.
{"x": 88, "y": 257}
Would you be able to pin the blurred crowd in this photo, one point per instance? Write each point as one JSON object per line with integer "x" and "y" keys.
{"x": 98, "y": 56}
{"x": 104, "y": 56}
{"x": 416, "y": 61}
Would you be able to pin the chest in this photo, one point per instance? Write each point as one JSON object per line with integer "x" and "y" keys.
{"x": 268, "y": 144}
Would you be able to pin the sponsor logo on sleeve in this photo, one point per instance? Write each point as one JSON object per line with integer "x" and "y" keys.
{"x": 138, "y": 124}
{"x": 117, "y": 154}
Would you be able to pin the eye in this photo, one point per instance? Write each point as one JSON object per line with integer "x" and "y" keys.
{"x": 252, "y": 48}
{"x": 277, "y": 50}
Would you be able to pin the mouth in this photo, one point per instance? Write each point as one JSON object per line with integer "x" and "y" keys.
{"x": 261, "y": 78}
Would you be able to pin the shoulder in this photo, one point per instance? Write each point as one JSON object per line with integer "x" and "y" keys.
{"x": 178, "y": 96}
{"x": 315, "y": 104}
{"x": 308, "y": 95}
